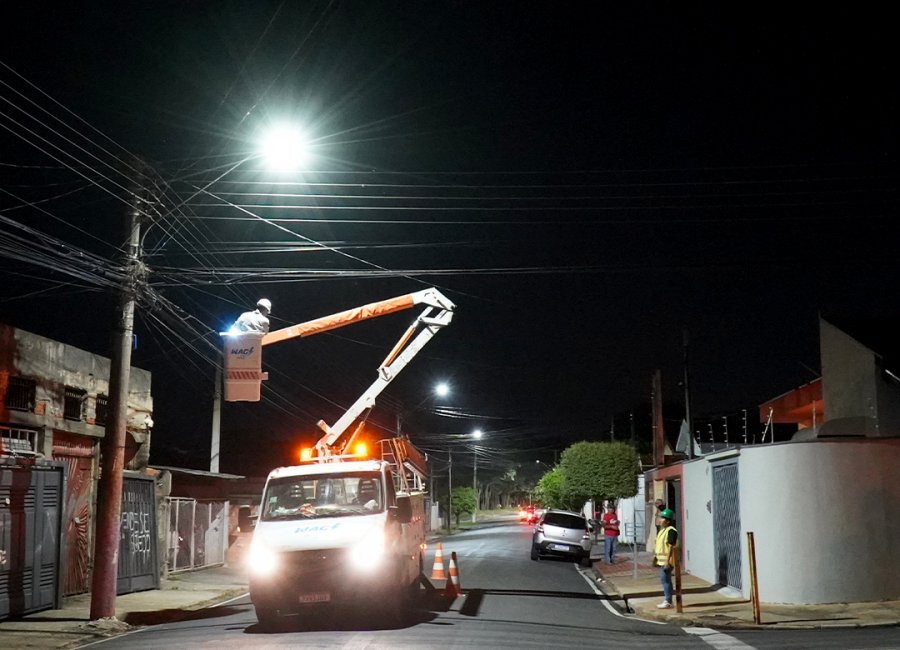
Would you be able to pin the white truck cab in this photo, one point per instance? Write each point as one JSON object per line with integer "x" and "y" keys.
{"x": 332, "y": 534}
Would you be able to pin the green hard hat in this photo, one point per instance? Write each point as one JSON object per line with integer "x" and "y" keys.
{"x": 667, "y": 514}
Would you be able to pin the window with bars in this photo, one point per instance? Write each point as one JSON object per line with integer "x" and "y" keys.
{"x": 20, "y": 394}
{"x": 17, "y": 441}
{"x": 101, "y": 410}
{"x": 74, "y": 402}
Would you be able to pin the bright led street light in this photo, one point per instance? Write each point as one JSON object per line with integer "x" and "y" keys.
{"x": 284, "y": 148}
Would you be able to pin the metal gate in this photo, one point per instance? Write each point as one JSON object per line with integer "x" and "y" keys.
{"x": 78, "y": 455}
{"x": 727, "y": 525}
{"x": 138, "y": 557}
{"x": 30, "y": 516}
{"x": 198, "y": 533}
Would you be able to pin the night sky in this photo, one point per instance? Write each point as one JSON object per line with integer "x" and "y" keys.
{"x": 584, "y": 182}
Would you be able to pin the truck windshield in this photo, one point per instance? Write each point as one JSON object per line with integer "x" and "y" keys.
{"x": 316, "y": 497}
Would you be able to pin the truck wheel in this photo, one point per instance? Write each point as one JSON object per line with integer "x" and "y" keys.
{"x": 267, "y": 616}
{"x": 534, "y": 553}
{"x": 415, "y": 587}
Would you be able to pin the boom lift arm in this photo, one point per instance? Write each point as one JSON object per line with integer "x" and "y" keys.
{"x": 437, "y": 314}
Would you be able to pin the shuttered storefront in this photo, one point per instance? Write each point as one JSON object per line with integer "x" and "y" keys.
{"x": 31, "y": 498}
{"x": 727, "y": 525}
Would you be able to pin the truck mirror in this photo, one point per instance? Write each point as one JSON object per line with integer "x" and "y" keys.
{"x": 402, "y": 512}
{"x": 246, "y": 521}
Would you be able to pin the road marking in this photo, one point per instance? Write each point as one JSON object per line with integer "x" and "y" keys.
{"x": 605, "y": 599}
{"x": 717, "y": 639}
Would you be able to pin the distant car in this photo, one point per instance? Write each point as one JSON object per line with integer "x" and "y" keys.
{"x": 562, "y": 533}
{"x": 528, "y": 515}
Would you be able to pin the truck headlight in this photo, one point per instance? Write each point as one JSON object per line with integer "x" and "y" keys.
{"x": 262, "y": 560}
{"x": 369, "y": 552}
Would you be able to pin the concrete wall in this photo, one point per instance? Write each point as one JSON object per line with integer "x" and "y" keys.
{"x": 53, "y": 366}
{"x": 848, "y": 375}
{"x": 630, "y": 512}
{"x": 824, "y": 516}
{"x": 887, "y": 399}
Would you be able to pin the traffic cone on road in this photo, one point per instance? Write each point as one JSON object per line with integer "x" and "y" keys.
{"x": 437, "y": 572}
{"x": 453, "y": 586}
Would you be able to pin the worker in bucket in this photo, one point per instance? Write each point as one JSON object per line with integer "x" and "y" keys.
{"x": 256, "y": 320}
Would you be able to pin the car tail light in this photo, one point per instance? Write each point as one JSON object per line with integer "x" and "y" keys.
{"x": 540, "y": 528}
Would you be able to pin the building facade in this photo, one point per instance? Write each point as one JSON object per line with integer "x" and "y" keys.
{"x": 53, "y": 406}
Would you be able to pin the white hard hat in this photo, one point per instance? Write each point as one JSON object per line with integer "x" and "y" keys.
{"x": 265, "y": 303}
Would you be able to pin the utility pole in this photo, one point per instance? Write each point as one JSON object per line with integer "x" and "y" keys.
{"x": 112, "y": 446}
{"x": 216, "y": 421}
{"x": 687, "y": 394}
{"x": 449, "y": 490}
{"x": 659, "y": 436}
{"x": 475, "y": 480}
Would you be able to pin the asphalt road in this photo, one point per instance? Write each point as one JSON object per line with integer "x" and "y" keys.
{"x": 509, "y": 602}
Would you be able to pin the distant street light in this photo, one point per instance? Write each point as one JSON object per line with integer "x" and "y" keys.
{"x": 477, "y": 435}
{"x": 441, "y": 389}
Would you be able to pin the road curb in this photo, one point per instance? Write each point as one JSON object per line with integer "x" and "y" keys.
{"x": 614, "y": 598}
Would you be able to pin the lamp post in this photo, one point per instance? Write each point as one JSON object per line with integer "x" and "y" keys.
{"x": 441, "y": 389}
{"x": 476, "y": 434}
{"x": 281, "y": 148}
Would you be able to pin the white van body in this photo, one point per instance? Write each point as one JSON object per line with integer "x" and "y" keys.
{"x": 332, "y": 534}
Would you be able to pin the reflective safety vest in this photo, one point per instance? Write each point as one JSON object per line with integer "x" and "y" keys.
{"x": 662, "y": 548}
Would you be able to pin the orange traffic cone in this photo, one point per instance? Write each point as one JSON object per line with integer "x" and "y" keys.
{"x": 453, "y": 583}
{"x": 437, "y": 573}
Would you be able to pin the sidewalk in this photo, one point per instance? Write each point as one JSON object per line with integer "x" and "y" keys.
{"x": 178, "y": 597}
{"x": 707, "y": 605}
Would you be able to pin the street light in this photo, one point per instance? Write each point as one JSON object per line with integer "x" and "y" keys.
{"x": 477, "y": 435}
{"x": 284, "y": 148}
{"x": 441, "y": 389}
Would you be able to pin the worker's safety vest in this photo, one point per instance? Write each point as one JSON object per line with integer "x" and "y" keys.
{"x": 662, "y": 550}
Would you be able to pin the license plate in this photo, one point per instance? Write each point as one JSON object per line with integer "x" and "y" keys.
{"x": 321, "y": 597}
{"x": 559, "y": 547}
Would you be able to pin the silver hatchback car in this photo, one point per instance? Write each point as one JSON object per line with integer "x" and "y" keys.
{"x": 562, "y": 533}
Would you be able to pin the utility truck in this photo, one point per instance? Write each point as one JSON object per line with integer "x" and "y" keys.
{"x": 345, "y": 527}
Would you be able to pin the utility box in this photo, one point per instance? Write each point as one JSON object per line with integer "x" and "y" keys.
{"x": 242, "y": 355}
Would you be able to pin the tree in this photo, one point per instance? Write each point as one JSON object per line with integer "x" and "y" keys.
{"x": 598, "y": 471}
{"x": 463, "y": 502}
{"x": 548, "y": 491}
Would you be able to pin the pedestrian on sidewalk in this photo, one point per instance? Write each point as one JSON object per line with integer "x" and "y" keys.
{"x": 664, "y": 555}
{"x": 659, "y": 506}
{"x": 610, "y": 523}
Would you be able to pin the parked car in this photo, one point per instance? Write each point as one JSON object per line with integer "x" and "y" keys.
{"x": 562, "y": 533}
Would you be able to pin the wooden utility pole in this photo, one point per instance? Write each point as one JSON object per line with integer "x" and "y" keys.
{"x": 112, "y": 446}
{"x": 659, "y": 436}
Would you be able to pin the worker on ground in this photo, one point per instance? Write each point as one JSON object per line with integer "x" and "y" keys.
{"x": 257, "y": 320}
{"x": 610, "y": 522}
{"x": 664, "y": 555}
